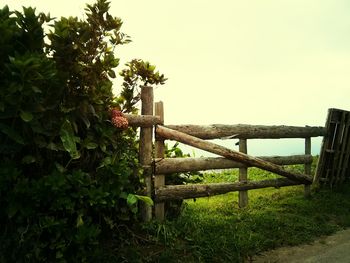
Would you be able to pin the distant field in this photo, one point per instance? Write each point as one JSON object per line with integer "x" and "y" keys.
{"x": 268, "y": 147}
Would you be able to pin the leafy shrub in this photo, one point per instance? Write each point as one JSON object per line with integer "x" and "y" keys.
{"x": 68, "y": 177}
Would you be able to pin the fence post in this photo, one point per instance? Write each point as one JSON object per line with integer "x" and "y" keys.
{"x": 146, "y": 144}
{"x": 159, "y": 180}
{"x": 307, "y": 167}
{"x": 243, "y": 176}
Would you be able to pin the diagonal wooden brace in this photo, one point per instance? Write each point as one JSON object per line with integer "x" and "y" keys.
{"x": 170, "y": 134}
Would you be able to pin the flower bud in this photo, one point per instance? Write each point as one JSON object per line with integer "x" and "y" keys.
{"x": 120, "y": 122}
{"x": 116, "y": 113}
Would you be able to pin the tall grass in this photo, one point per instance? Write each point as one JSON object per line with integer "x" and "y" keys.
{"x": 214, "y": 229}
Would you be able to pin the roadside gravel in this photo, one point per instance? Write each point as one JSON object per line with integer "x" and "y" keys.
{"x": 334, "y": 248}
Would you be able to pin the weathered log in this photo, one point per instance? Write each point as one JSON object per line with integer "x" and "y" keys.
{"x": 244, "y": 131}
{"x": 179, "y": 192}
{"x": 159, "y": 181}
{"x": 307, "y": 167}
{"x": 243, "y": 176}
{"x": 325, "y": 145}
{"x": 142, "y": 120}
{"x": 146, "y": 145}
{"x": 167, "y": 133}
{"x": 179, "y": 165}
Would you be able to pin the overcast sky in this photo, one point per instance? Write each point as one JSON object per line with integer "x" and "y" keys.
{"x": 253, "y": 62}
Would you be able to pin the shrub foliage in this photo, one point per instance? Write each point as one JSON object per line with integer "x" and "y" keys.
{"x": 68, "y": 178}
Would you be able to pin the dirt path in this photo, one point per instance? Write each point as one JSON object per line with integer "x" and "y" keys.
{"x": 335, "y": 248}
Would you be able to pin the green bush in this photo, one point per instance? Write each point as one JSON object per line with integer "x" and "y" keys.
{"x": 68, "y": 177}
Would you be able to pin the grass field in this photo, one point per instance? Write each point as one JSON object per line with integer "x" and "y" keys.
{"x": 214, "y": 229}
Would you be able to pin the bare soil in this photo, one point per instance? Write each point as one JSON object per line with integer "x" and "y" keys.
{"x": 334, "y": 248}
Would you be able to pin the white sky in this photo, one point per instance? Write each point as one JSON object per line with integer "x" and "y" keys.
{"x": 229, "y": 61}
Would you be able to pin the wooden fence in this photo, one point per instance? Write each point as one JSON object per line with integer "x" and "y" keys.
{"x": 334, "y": 162}
{"x": 156, "y": 167}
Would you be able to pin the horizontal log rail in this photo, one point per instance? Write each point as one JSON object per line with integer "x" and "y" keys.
{"x": 248, "y": 160}
{"x": 145, "y": 121}
{"x": 179, "y": 192}
{"x": 244, "y": 131}
{"x": 178, "y": 165}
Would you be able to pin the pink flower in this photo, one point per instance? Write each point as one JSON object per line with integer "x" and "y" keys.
{"x": 116, "y": 113}
{"x": 118, "y": 120}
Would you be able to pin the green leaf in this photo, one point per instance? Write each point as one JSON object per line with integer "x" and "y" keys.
{"x": 103, "y": 147}
{"x": 36, "y": 89}
{"x": 12, "y": 210}
{"x": 52, "y": 146}
{"x": 67, "y": 110}
{"x": 147, "y": 200}
{"x": 59, "y": 254}
{"x": 105, "y": 162}
{"x": 28, "y": 159}
{"x": 26, "y": 116}
{"x": 60, "y": 168}
{"x": 131, "y": 199}
{"x": 11, "y": 133}
{"x": 80, "y": 221}
{"x": 69, "y": 140}
{"x": 91, "y": 145}
{"x": 123, "y": 195}
{"x": 111, "y": 74}
{"x": 86, "y": 121}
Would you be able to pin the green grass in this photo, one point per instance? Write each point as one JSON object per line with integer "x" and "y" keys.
{"x": 214, "y": 229}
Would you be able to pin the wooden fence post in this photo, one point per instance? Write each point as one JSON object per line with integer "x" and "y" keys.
{"x": 243, "y": 176}
{"x": 307, "y": 167}
{"x": 159, "y": 180}
{"x": 146, "y": 145}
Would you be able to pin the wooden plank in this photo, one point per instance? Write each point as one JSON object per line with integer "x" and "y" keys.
{"x": 180, "y": 192}
{"x": 345, "y": 171}
{"x": 335, "y": 163}
{"x": 243, "y": 131}
{"x": 340, "y": 151}
{"x": 307, "y": 167}
{"x": 342, "y": 148}
{"x": 322, "y": 164}
{"x": 243, "y": 176}
{"x": 159, "y": 180}
{"x": 336, "y": 145}
{"x": 179, "y": 165}
{"x": 142, "y": 120}
{"x": 146, "y": 146}
{"x": 333, "y": 130}
{"x": 167, "y": 133}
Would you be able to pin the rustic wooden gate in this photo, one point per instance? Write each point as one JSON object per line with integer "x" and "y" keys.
{"x": 333, "y": 167}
